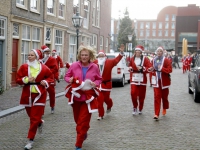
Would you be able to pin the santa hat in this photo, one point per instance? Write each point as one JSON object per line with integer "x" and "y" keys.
{"x": 159, "y": 48}
{"x": 44, "y": 48}
{"x": 77, "y": 84}
{"x": 38, "y": 53}
{"x": 54, "y": 51}
{"x": 101, "y": 52}
{"x": 139, "y": 48}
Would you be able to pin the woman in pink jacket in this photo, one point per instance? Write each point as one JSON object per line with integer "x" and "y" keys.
{"x": 82, "y": 104}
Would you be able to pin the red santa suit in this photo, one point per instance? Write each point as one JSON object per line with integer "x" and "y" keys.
{"x": 189, "y": 58}
{"x": 51, "y": 63}
{"x": 106, "y": 85}
{"x": 59, "y": 63}
{"x": 161, "y": 82}
{"x": 138, "y": 79}
{"x": 185, "y": 64}
{"x": 34, "y": 102}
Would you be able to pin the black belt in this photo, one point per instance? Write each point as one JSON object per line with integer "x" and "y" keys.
{"x": 33, "y": 83}
{"x": 106, "y": 81}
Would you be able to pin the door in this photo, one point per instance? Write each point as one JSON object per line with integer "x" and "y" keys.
{"x": 14, "y": 62}
{"x": 1, "y": 64}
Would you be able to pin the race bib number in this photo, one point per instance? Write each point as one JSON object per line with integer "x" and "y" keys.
{"x": 137, "y": 77}
{"x": 153, "y": 80}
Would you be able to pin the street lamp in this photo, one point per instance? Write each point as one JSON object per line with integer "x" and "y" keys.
{"x": 146, "y": 44}
{"x": 130, "y": 43}
{"x": 77, "y": 22}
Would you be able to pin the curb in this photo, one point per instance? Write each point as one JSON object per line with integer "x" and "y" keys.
{"x": 12, "y": 110}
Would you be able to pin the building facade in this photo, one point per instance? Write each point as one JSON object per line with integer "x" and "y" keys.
{"x": 33, "y": 23}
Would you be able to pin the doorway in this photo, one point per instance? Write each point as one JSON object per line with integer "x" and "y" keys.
{"x": 14, "y": 62}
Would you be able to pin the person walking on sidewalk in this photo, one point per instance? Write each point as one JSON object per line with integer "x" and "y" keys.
{"x": 83, "y": 102}
{"x": 176, "y": 61}
{"x": 35, "y": 77}
{"x": 59, "y": 63}
{"x": 51, "y": 63}
{"x": 138, "y": 67}
{"x": 160, "y": 81}
{"x": 105, "y": 67}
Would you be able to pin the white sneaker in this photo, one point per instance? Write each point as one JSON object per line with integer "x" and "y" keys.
{"x": 41, "y": 127}
{"x": 99, "y": 118}
{"x": 52, "y": 110}
{"x": 139, "y": 112}
{"x": 29, "y": 145}
{"x": 134, "y": 111}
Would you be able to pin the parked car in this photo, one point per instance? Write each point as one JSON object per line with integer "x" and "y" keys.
{"x": 120, "y": 73}
{"x": 194, "y": 80}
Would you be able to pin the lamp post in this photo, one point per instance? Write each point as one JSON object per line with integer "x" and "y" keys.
{"x": 77, "y": 22}
{"x": 130, "y": 44}
{"x": 146, "y": 44}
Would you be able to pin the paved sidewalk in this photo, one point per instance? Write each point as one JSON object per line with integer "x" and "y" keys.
{"x": 9, "y": 100}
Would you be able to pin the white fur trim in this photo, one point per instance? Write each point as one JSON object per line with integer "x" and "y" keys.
{"x": 138, "y": 49}
{"x": 46, "y": 49}
{"x": 75, "y": 94}
{"x": 35, "y": 53}
{"x": 79, "y": 87}
{"x": 89, "y": 100}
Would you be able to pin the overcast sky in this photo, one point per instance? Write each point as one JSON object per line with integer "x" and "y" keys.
{"x": 145, "y": 9}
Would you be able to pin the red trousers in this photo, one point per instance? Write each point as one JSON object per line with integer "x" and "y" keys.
{"x": 138, "y": 93}
{"x": 104, "y": 96}
{"x": 185, "y": 68}
{"x": 160, "y": 94}
{"x": 52, "y": 94}
{"x": 35, "y": 114}
{"x": 82, "y": 118}
{"x": 188, "y": 67}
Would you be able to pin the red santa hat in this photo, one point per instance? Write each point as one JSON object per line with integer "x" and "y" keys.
{"x": 77, "y": 84}
{"x": 159, "y": 48}
{"x": 38, "y": 53}
{"x": 139, "y": 48}
{"x": 101, "y": 52}
{"x": 54, "y": 51}
{"x": 44, "y": 48}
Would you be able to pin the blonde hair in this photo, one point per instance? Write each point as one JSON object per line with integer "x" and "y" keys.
{"x": 92, "y": 52}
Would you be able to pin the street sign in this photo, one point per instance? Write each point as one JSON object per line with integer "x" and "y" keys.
{"x": 129, "y": 46}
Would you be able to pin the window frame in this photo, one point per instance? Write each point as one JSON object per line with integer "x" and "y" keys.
{"x": 3, "y": 28}
{"x": 61, "y": 11}
{"x": 37, "y": 10}
{"x": 86, "y": 20}
{"x": 53, "y": 8}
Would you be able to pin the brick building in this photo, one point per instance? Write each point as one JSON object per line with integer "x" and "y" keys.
{"x": 33, "y": 23}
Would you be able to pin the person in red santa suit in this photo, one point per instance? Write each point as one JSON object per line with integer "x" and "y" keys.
{"x": 189, "y": 58}
{"x": 59, "y": 63}
{"x": 161, "y": 81}
{"x": 138, "y": 67}
{"x": 51, "y": 63}
{"x": 185, "y": 63}
{"x": 83, "y": 100}
{"x": 35, "y": 78}
{"x": 105, "y": 67}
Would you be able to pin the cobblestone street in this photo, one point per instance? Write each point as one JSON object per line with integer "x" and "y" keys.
{"x": 178, "y": 130}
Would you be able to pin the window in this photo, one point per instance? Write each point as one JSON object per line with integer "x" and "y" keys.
{"x": 141, "y": 33}
{"x": 173, "y": 25}
{"x": 166, "y": 17}
{"x": 86, "y": 13}
{"x": 94, "y": 12}
{"x": 101, "y": 42}
{"x": 34, "y": 5}
{"x": 154, "y": 25}
{"x": 25, "y": 43}
{"x": 94, "y": 40}
{"x": 172, "y": 33}
{"x": 148, "y": 25}
{"x": 48, "y": 34}
{"x": 160, "y": 25}
{"x": 173, "y": 17}
{"x": 98, "y": 14}
{"x": 147, "y": 33}
{"x": 72, "y": 49}
{"x": 50, "y": 4}
{"x": 166, "y": 25}
{"x": 76, "y": 6}
{"x": 61, "y": 8}
{"x": 154, "y": 33}
{"x": 106, "y": 50}
{"x": 166, "y": 32}
{"x": 2, "y": 28}
{"x": 141, "y": 25}
{"x": 21, "y": 2}
{"x": 35, "y": 37}
{"x": 160, "y": 33}
{"x": 58, "y": 41}
{"x": 16, "y": 29}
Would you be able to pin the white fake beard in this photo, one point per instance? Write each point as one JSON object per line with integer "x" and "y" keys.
{"x": 87, "y": 85}
{"x": 55, "y": 56}
{"x": 101, "y": 60}
{"x": 46, "y": 55}
{"x": 33, "y": 63}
